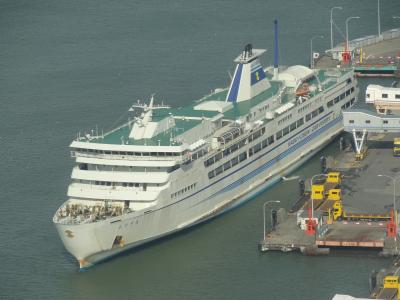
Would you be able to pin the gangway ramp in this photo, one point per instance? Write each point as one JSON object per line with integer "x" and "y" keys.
{"x": 360, "y": 122}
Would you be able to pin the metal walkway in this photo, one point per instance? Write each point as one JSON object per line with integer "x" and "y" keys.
{"x": 360, "y": 122}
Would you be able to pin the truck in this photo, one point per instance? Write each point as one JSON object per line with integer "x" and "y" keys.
{"x": 396, "y": 147}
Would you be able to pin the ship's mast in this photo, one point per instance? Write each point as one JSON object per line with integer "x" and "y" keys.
{"x": 147, "y": 115}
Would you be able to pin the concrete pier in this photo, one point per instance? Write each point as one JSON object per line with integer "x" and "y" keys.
{"x": 362, "y": 191}
{"x": 371, "y": 56}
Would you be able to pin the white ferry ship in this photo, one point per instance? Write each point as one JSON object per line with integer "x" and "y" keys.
{"x": 172, "y": 168}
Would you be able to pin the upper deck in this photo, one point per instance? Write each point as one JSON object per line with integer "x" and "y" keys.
{"x": 191, "y": 116}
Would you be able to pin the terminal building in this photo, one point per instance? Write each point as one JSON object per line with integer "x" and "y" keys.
{"x": 384, "y": 118}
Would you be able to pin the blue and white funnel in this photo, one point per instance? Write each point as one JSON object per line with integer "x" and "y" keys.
{"x": 249, "y": 79}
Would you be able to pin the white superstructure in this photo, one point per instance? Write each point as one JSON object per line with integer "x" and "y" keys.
{"x": 169, "y": 169}
{"x": 384, "y": 98}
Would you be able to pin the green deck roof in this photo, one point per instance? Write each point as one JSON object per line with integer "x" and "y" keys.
{"x": 121, "y": 135}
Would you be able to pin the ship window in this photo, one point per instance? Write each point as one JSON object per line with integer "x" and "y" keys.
{"x": 351, "y": 121}
{"x": 293, "y": 126}
{"x": 352, "y": 100}
{"x": 385, "y": 121}
{"x": 250, "y": 151}
{"x": 264, "y": 143}
{"x": 97, "y": 183}
{"x": 257, "y": 147}
{"x": 130, "y": 184}
{"x": 336, "y": 100}
{"x": 137, "y": 184}
{"x": 330, "y": 103}
{"x": 348, "y": 92}
{"x": 129, "y": 153}
{"x": 210, "y": 161}
{"x": 367, "y": 95}
{"x": 108, "y": 183}
{"x": 227, "y": 165}
{"x": 279, "y": 134}
{"x": 352, "y": 89}
{"x": 145, "y": 154}
{"x": 300, "y": 122}
{"x": 227, "y": 152}
{"x": 234, "y": 147}
{"x": 286, "y": 130}
{"x": 348, "y": 80}
{"x": 122, "y": 153}
{"x": 242, "y": 143}
{"x": 397, "y": 96}
{"x": 107, "y": 152}
{"x": 242, "y": 156}
{"x": 124, "y": 184}
{"x": 321, "y": 109}
{"x": 218, "y": 170}
{"x": 83, "y": 166}
{"x": 314, "y": 113}
{"x": 367, "y": 121}
{"x": 211, "y": 174}
{"x": 270, "y": 140}
{"x": 384, "y": 95}
{"x": 342, "y": 96}
{"x": 218, "y": 156}
{"x": 234, "y": 161}
{"x": 308, "y": 117}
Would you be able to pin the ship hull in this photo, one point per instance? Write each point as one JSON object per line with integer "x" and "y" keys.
{"x": 94, "y": 242}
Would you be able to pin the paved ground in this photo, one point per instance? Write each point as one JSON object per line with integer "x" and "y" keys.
{"x": 363, "y": 190}
{"x": 383, "y": 49}
{"x": 356, "y": 231}
{"x": 382, "y": 53}
{"x": 288, "y": 235}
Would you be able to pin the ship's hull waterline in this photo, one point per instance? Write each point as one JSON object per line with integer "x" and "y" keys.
{"x": 91, "y": 243}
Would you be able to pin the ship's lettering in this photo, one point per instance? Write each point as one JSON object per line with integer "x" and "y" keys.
{"x": 305, "y": 133}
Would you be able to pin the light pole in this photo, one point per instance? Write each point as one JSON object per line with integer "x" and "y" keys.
{"x": 336, "y": 7}
{"x": 394, "y": 195}
{"x": 347, "y": 31}
{"x": 311, "y": 50}
{"x": 379, "y": 19}
{"x": 264, "y": 206}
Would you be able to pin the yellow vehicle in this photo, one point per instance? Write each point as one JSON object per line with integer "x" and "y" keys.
{"x": 396, "y": 147}
{"x": 339, "y": 213}
{"x": 390, "y": 288}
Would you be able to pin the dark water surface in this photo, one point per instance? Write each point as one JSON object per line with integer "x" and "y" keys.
{"x": 67, "y": 66}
